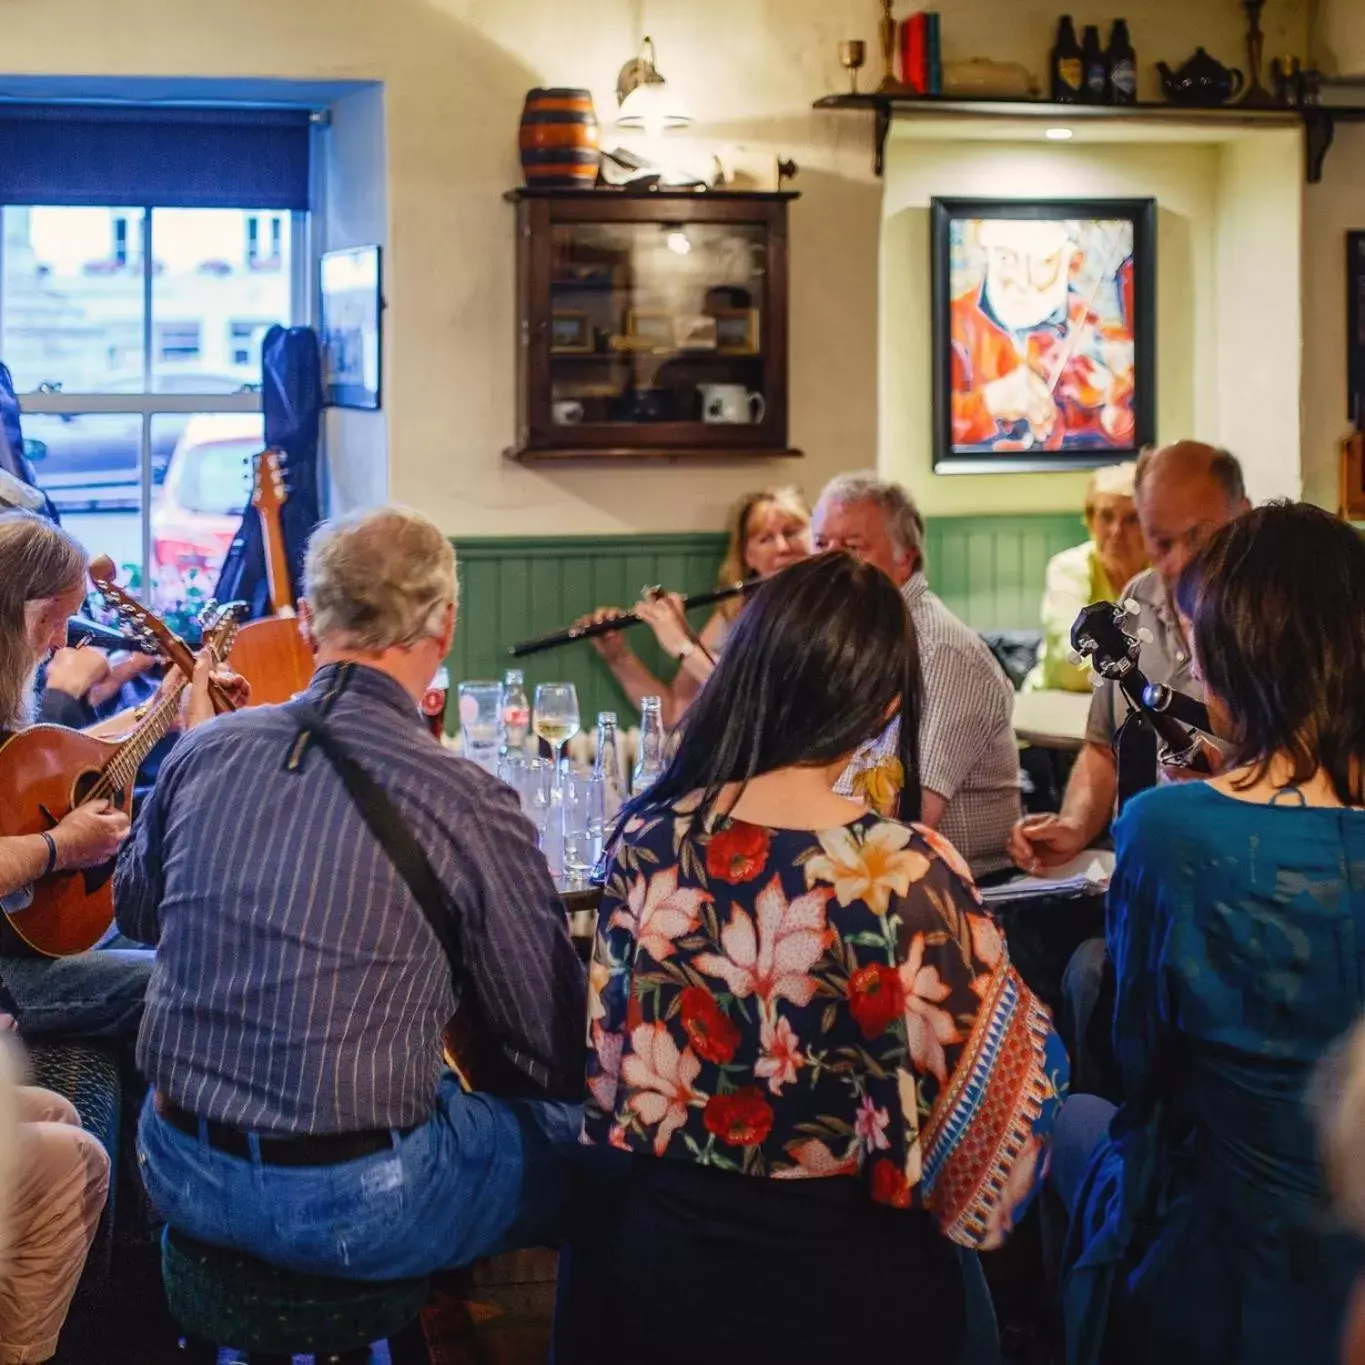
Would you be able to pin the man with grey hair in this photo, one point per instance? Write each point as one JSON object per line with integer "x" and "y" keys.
{"x": 293, "y": 1032}
{"x": 968, "y": 759}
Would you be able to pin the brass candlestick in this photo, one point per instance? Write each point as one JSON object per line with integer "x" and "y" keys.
{"x": 1257, "y": 96}
{"x": 886, "y": 31}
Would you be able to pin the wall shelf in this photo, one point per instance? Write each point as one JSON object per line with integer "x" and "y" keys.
{"x": 1318, "y": 120}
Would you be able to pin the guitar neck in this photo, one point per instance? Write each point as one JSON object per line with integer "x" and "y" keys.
{"x": 276, "y": 562}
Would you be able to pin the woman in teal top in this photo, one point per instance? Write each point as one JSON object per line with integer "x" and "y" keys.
{"x": 1199, "y": 1223}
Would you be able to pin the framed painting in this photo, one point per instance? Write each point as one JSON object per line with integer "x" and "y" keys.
{"x": 350, "y": 308}
{"x": 1044, "y": 333}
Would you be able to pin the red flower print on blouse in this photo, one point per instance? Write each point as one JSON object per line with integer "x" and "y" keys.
{"x": 876, "y": 998}
{"x": 737, "y": 854}
{"x": 742, "y": 1119}
{"x": 714, "y": 1038}
{"x": 889, "y": 1185}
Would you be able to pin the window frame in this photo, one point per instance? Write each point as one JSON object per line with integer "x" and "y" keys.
{"x": 149, "y": 404}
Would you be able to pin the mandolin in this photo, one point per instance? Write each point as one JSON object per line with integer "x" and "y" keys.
{"x": 46, "y": 771}
{"x": 271, "y": 654}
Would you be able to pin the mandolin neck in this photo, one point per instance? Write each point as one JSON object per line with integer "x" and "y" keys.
{"x": 118, "y": 773}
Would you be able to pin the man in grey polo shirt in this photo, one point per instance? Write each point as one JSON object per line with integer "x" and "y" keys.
{"x": 1184, "y": 493}
{"x": 968, "y": 760}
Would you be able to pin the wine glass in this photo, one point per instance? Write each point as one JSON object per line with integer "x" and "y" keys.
{"x": 556, "y": 720}
{"x": 852, "y": 55}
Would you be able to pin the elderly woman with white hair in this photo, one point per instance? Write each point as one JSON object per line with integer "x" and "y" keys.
{"x": 1097, "y": 571}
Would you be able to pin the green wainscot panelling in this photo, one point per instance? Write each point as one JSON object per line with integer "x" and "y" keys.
{"x": 989, "y": 570}
{"x": 514, "y": 589}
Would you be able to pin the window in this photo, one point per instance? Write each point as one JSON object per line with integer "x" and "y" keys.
{"x": 134, "y": 339}
{"x": 177, "y": 341}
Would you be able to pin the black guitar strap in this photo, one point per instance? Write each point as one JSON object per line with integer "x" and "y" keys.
{"x": 403, "y": 851}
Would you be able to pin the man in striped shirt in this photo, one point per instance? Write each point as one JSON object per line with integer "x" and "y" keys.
{"x": 968, "y": 758}
{"x": 292, "y": 1034}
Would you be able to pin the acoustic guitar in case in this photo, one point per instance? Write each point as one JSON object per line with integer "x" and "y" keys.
{"x": 271, "y": 654}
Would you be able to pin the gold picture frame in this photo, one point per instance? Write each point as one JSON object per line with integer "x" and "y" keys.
{"x": 650, "y": 327}
{"x": 738, "y": 331}
{"x": 571, "y": 334}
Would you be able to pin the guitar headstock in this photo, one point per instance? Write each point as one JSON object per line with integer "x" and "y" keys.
{"x": 1102, "y": 635}
{"x": 139, "y": 619}
{"x": 268, "y": 493}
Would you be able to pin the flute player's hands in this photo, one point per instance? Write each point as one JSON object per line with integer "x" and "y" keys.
{"x": 611, "y": 646}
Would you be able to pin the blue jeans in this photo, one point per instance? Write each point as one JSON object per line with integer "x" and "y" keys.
{"x": 481, "y": 1176}
{"x": 98, "y": 994}
{"x": 1082, "y": 1124}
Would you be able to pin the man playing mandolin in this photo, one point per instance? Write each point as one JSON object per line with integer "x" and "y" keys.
{"x": 307, "y": 960}
{"x": 95, "y": 994}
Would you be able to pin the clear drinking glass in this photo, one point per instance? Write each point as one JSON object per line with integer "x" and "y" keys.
{"x": 540, "y": 801}
{"x": 556, "y": 719}
{"x": 479, "y": 722}
{"x": 584, "y": 822}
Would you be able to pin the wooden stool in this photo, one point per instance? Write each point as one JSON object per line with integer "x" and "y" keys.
{"x": 222, "y": 1297}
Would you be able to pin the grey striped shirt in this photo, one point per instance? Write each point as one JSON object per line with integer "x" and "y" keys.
{"x": 298, "y": 986}
{"x": 967, "y": 750}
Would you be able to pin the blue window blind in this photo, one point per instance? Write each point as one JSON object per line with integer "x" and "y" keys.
{"x": 141, "y": 156}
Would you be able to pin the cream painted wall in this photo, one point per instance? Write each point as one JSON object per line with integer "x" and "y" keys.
{"x": 455, "y": 72}
{"x": 354, "y": 187}
{"x": 1259, "y": 231}
{"x": 1182, "y": 178}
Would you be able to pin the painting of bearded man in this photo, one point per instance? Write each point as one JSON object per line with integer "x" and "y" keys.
{"x": 1043, "y": 332}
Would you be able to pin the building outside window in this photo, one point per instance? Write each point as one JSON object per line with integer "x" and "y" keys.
{"x": 134, "y": 339}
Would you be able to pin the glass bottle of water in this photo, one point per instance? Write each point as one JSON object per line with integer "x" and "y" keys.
{"x": 514, "y": 715}
{"x": 652, "y": 760}
{"x": 608, "y": 763}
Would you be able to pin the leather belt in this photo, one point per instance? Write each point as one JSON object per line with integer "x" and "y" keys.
{"x": 308, "y": 1149}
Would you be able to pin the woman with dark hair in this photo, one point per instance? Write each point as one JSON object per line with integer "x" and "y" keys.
{"x": 811, "y": 1067}
{"x": 1236, "y": 924}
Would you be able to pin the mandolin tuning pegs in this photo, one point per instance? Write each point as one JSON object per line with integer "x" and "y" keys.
{"x": 1145, "y": 636}
{"x": 1075, "y": 658}
{"x": 1132, "y": 607}
{"x": 1095, "y": 680}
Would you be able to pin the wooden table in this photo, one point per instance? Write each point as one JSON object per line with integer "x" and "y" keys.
{"x": 1051, "y": 720}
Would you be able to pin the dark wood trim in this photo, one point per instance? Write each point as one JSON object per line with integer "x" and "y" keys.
{"x": 715, "y": 454}
{"x": 1317, "y": 120}
{"x": 643, "y": 197}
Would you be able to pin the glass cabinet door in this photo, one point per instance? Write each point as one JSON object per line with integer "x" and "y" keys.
{"x": 656, "y": 335}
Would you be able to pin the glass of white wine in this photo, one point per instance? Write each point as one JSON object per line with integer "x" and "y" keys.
{"x": 556, "y": 720}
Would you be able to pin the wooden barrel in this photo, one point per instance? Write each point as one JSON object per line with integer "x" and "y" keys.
{"x": 559, "y": 140}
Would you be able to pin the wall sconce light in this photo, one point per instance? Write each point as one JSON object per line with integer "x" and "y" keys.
{"x": 646, "y": 103}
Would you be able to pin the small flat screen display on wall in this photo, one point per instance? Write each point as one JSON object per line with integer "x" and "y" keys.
{"x": 1043, "y": 333}
{"x": 350, "y": 308}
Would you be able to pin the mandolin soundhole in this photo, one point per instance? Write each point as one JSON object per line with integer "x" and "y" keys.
{"x": 85, "y": 784}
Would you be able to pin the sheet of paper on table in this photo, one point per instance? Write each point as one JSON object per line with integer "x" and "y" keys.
{"x": 1086, "y": 875}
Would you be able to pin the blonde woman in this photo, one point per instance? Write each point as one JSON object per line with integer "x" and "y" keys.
{"x": 768, "y": 531}
{"x": 1097, "y": 571}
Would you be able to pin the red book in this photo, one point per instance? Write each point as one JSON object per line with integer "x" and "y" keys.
{"x": 915, "y": 73}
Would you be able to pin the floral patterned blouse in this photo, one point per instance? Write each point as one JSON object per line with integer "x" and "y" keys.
{"x": 794, "y": 1004}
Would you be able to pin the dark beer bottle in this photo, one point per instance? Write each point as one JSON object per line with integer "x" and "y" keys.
{"x": 1068, "y": 69}
{"x": 1122, "y": 65}
{"x": 1096, "y": 68}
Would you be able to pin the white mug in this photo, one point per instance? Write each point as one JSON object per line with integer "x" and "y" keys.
{"x": 567, "y": 412}
{"x": 730, "y": 403}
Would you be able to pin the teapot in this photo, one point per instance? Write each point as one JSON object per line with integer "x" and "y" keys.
{"x": 1203, "y": 80}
